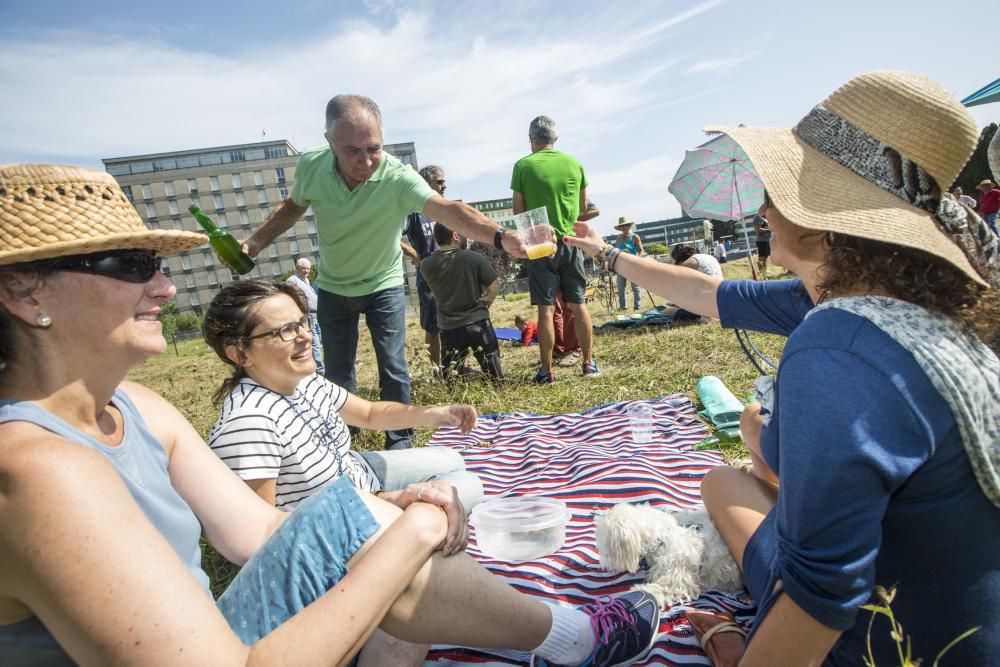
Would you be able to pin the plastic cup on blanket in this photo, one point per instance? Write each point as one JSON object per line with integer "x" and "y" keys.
{"x": 536, "y": 233}
{"x": 640, "y": 418}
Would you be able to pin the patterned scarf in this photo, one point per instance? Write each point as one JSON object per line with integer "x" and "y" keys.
{"x": 884, "y": 166}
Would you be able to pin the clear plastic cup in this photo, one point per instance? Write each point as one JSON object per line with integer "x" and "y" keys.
{"x": 536, "y": 233}
{"x": 640, "y": 418}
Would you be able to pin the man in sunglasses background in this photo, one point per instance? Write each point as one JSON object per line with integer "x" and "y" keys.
{"x": 419, "y": 232}
{"x": 360, "y": 197}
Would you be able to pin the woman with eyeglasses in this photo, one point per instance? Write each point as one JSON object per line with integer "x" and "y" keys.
{"x": 877, "y": 447}
{"x": 105, "y": 489}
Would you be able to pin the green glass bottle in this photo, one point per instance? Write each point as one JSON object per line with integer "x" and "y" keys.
{"x": 224, "y": 244}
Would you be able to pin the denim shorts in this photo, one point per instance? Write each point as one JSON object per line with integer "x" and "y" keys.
{"x": 304, "y": 558}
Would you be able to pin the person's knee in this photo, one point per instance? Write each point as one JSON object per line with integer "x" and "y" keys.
{"x": 714, "y": 485}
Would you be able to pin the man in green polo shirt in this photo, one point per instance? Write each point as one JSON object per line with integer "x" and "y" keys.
{"x": 556, "y": 181}
{"x": 361, "y": 197}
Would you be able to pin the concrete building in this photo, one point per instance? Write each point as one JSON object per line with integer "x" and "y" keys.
{"x": 237, "y": 186}
{"x": 500, "y": 211}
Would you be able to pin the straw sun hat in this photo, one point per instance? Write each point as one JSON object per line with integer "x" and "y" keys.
{"x": 623, "y": 222}
{"x": 53, "y": 211}
{"x": 871, "y": 161}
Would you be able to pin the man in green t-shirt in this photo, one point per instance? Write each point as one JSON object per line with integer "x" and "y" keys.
{"x": 360, "y": 197}
{"x": 556, "y": 181}
{"x": 464, "y": 286}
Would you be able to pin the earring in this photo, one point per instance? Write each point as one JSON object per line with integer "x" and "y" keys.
{"x": 43, "y": 320}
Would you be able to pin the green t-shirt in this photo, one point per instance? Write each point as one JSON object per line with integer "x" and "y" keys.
{"x": 358, "y": 229}
{"x": 551, "y": 179}
{"x": 458, "y": 279}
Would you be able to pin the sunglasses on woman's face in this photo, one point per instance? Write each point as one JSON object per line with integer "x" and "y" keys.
{"x": 132, "y": 266}
{"x": 286, "y": 332}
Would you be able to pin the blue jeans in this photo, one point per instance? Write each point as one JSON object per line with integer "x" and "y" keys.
{"x": 385, "y": 314}
{"x": 991, "y": 220}
{"x": 317, "y": 343}
{"x": 397, "y": 470}
{"x": 301, "y": 561}
{"x": 636, "y": 298}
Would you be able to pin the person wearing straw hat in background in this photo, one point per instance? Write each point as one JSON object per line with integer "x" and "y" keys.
{"x": 628, "y": 242}
{"x": 989, "y": 202}
{"x": 106, "y": 490}
{"x": 876, "y": 450}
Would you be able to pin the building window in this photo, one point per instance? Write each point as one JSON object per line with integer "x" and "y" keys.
{"x": 262, "y": 196}
{"x": 258, "y": 178}
{"x": 280, "y": 173}
{"x": 314, "y": 242}
{"x": 127, "y": 189}
{"x": 241, "y": 199}
{"x": 168, "y": 186}
{"x": 264, "y": 212}
{"x": 293, "y": 248}
{"x": 213, "y": 182}
{"x": 195, "y": 299}
{"x": 190, "y": 283}
{"x": 147, "y": 192}
{"x": 221, "y": 218}
{"x": 406, "y": 158}
{"x": 185, "y": 261}
{"x": 311, "y": 226}
{"x": 150, "y": 210}
{"x": 237, "y": 181}
{"x": 196, "y": 202}
{"x": 274, "y": 151}
{"x": 272, "y": 251}
{"x": 172, "y": 205}
{"x": 244, "y": 219}
{"x": 206, "y": 256}
{"x": 275, "y": 269}
{"x": 291, "y": 232}
{"x": 192, "y": 186}
{"x": 217, "y": 200}
{"x": 283, "y": 191}
{"x": 213, "y": 280}
{"x": 236, "y": 156}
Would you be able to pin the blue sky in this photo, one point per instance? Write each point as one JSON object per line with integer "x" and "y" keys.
{"x": 630, "y": 85}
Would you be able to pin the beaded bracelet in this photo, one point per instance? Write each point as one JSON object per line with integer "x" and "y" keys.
{"x": 614, "y": 261}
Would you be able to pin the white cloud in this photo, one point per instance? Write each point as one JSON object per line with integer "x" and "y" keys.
{"x": 717, "y": 65}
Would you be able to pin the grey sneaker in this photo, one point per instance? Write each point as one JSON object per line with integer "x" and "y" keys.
{"x": 590, "y": 369}
{"x": 626, "y": 628}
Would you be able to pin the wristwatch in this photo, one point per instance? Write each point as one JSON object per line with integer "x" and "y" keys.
{"x": 498, "y": 239}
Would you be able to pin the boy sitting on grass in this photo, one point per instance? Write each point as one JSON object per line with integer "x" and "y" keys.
{"x": 528, "y": 329}
{"x": 464, "y": 285}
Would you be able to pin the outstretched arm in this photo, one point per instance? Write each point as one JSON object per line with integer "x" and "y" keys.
{"x": 281, "y": 220}
{"x": 470, "y": 223}
{"x": 692, "y": 290}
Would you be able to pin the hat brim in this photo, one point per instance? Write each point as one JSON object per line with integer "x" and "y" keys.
{"x": 622, "y": 225}
{"x": 816, "y": 192}
{"x": 163, "y": 242}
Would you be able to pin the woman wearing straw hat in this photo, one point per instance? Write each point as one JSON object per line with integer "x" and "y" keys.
{"x": 631, "y": 243}
{"x": 105, "y": 489}
{"x": 877, "y": 459}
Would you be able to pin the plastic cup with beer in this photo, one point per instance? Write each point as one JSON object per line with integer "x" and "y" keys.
{"x": 536, "y": 233}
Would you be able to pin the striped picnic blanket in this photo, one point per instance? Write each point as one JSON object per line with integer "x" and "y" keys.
{"x": 590, "y": 461}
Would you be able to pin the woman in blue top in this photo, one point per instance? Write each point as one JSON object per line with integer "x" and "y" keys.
{"x": 877, "y": 447}
{"x": 631, "y": 243}
{"x": 105, "y": 489}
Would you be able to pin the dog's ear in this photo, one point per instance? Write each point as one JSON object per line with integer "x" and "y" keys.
{"x": 619, "y": 541}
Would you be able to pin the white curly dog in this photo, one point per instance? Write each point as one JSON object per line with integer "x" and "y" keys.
{"x": 683, "y": 551}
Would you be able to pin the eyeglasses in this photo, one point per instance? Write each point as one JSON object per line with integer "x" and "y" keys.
{"x": 439, "y": 181}
{"x": 767, "y": 200}
{"x": 132, "y": 266}
{"x": 286, "y": 332}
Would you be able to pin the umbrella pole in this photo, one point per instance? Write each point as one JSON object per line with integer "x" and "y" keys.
{"x": 746, "y": 237}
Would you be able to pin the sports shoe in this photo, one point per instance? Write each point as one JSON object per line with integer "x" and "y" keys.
{"x": 626, "y": 628}
{"x": 590, "y": 369}
{"x": 543, "y": 377}
{"x": 569, "y": 359}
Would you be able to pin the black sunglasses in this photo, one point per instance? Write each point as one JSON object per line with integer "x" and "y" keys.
{"x": 286, "y": 332}
{"x": 440, "y": 181}
{"x": 132, "y": 266}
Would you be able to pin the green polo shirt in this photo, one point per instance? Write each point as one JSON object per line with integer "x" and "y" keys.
{"x": 551, "y": 179}
{"x": 358, "y": 229}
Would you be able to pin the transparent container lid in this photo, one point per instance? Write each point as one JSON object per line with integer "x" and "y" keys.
{"x": 517, "y": 514}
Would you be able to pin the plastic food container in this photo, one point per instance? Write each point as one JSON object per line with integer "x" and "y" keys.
{"x": 520, "y": 528}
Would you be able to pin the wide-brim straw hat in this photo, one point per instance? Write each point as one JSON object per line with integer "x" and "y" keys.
{"x": 986, "y": 183}
{"x": 623, "y": 222}
{"x": 912, "y": 115}
{"x": 51, "y": 211}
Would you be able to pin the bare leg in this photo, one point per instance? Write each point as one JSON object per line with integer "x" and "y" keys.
{"x": 584, "y": 329}
{"x": 433, "y": 341}
{"x": 455, "y": 601}
{"x": 383, "y": 649}
{"x": 546, "y": 336}
{"x": 737, "y": 503}
{"x": 750, "y": 426}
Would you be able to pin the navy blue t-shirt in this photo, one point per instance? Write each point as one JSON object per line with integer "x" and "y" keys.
{"x": 875, "y": 487}
{"x": 419, "y": 232}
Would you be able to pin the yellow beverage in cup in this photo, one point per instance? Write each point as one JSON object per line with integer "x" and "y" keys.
{"x": 541, "y": 250}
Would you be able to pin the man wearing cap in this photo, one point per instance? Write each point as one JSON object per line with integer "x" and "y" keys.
{"x": 300, "y": 280}
{"x": 555, "y": 180}
{"x": 360, "y": 196}
{"x": 631, "y": 243}
{"x": 418, "y": 246}
{"x": 989, "y": 202}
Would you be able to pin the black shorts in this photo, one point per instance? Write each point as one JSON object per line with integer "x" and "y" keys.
{"x": 763, "y": 248}
{"x": 563, "y": 272}
{"x": 428, "y": 308}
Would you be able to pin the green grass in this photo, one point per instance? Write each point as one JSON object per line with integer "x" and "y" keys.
{"x": 635, "y": 364}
